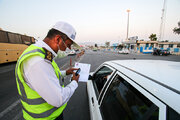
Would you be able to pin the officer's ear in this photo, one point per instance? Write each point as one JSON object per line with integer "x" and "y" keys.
{"x": 57, "y": 39}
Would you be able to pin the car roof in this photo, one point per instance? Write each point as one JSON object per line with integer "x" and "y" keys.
{"x": 163, "y": 73}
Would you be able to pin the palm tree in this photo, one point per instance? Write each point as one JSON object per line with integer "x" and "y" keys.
{"x": 153, "y": 37}
{"x": 176, "y": 30}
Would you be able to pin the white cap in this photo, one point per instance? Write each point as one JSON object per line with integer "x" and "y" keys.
{"x": 68, "y": 30}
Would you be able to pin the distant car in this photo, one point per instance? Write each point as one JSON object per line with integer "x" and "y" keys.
{"x": 135, "y": 90}
{"x": 72, "y": 52}
{"x": 161, "y": 52}
{"x": 76, "y": 50}
{"x": 164, "y": 52}
{"x": 123, "y": 51}
{"x": 94, "y": 49}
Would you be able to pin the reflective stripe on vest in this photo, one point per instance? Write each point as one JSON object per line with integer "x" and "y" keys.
{"x": 41, "y": 115}
{"x": 24, "y": 97}
{"x": 35, "y": 101}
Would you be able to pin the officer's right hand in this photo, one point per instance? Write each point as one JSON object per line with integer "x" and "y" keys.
{"x": 76, "y": 78}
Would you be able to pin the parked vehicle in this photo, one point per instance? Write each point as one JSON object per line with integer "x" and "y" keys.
{"x": 164, "y": 52}
{"x": 12, "y": 45}
{"x": 135, "y": 90}
{"x": 161, "y": 52}
{"x": 95, "y": 49}
{"x": 123, "y": 51}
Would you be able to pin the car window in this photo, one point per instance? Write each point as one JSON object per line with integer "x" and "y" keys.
{"x": 101, "y": 76}
{"x": 123, "y": 101}
{"x": 172, "y": 115}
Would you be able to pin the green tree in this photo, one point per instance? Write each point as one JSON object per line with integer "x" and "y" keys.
{"x": 176, "y": 30}
{"x": 153, "y": 37}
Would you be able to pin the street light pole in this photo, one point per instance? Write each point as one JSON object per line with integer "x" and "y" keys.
{"x": 162, "y": 25}
{"x": 127, "y": 24}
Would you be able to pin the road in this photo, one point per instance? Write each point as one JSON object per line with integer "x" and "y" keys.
{"x": 77, "y": 107}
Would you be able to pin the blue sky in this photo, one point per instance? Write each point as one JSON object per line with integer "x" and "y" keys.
{"x": 94, "y": 20}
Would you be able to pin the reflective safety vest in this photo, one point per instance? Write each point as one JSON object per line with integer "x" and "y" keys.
{"x": 34, "y": 106}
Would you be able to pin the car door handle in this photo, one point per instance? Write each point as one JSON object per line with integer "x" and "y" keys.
{"x": 92, "y": 99}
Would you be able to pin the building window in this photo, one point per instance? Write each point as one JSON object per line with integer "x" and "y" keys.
{"x": 138, "y": 44}
{"x": 147, "y": 44}
{"x": 152, "y": 44}
{"x": 161, "y": 46}
{"x": 170, "y": 45}
{"x": 178, "y": 45}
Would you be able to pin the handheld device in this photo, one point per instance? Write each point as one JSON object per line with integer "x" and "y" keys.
{"x": 78, "y": 71}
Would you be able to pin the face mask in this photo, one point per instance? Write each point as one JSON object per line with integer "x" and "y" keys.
{"x": 62, "y": 54}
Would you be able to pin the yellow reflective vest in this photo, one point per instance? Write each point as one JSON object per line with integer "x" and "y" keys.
{"x": 34, "y": 106}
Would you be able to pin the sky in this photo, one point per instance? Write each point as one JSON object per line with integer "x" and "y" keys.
{"x": 96, "y": 21}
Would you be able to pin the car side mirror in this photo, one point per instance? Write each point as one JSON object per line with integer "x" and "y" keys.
{"x": 90, "y": 77}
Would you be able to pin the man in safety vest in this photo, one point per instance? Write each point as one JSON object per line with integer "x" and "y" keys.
{"x": 39, "y": 79}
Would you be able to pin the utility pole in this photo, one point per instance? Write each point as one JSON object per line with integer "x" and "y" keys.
{"x": 127, "y": 24}
{"x": 162, "y": 25}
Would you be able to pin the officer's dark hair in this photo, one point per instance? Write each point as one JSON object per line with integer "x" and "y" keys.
{"x": 52, "y": 32}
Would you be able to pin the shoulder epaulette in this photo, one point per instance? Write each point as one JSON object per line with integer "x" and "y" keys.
{"x": 48, "y": 55}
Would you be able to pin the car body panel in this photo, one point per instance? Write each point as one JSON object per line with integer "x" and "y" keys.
{"x": 158, "y": 75}
{"x": 94, "y": 107}
{"x": 166, "y": 72}
{"x": 156, "y": 79}
{"x": 93, "y": 103}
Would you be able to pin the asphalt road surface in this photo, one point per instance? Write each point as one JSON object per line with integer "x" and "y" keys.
{"x": 77, "y": 108}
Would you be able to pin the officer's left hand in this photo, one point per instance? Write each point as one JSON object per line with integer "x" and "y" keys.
{"x": 70, "y": 71}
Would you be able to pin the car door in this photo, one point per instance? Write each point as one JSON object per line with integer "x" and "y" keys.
{"x": 95, "y": 88}
{"x": 124, "y": 99}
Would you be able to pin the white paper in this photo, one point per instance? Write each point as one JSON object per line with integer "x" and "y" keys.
{"x": 84, "y": 73}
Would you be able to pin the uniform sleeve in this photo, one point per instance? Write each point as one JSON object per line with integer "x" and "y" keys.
{"x": 42, "y": 78}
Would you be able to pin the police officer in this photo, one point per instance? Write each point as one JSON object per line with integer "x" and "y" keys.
{"x": 39, "y": 79}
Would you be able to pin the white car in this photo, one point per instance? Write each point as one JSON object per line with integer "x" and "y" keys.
{"x": 72, "y": 52}
{"x": 123, "y": 51}
{"x": 135, "y": 90}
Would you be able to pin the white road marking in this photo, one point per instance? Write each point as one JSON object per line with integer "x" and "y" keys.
{"x": 18, "y": 116}
{"x": 9, "y": 108}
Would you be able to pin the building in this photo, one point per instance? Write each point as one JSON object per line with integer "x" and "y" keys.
{"x": 131, "y": 43}
{"x": 143, "y": 46}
